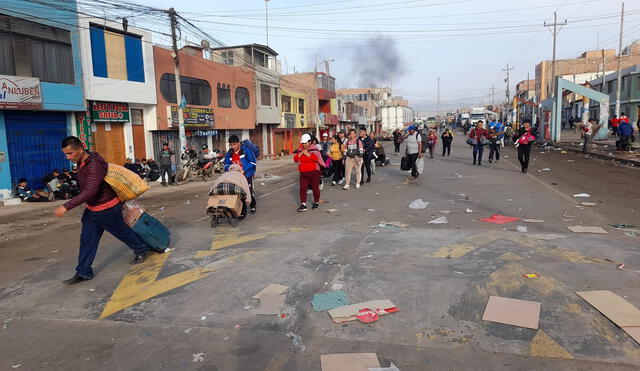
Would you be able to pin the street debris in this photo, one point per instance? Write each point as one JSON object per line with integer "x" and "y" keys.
{"x": 622, "y": 226}
{"x": 297, "y": 345}
{"x": 583, "y": 229}
{"x": 16, "y": 366}
{"x": 622, "y": 268}
{"x": 187, "y": 331}
{"x": 531, "y": 275}
{"x": 546, "y": 236}
{"x": 418, "y": 204}
{"x": 188, "y": 202}
{"x": 440, "y": 220}
{"x": 349, "y": 361}
{"x": 270, "y": 304}
{"x": 515, "y": 312}
{"x": 371, "y": 209}
{"x": 351, "y": 312}
{"x": 162, "y": 208}
{"x": 270, "y": 290}
{"x": 582, "y": 195}
{"x": 329, "y": 300}
{"x": 499, "y": 219}
{"x": 203, "y": 318}
{"x": 391, "y": 367}
{"x": 546, "y": 169}
{"x": 619, "y": 311}
{"x": 468, "y": 210}
{"x": 456, "y": 272}
{"x": 198, "y": 357}
{"x": 366, "y": 256}
{"x": 336, "y": 286}
{"x": 331, "y": 210}
{"x": 533, "y": 220}
{"x": 444, "y": 211}
{"x": 588, "y": 203}
{"x": 390, "y": 225}
{"x": 521, "y": 229}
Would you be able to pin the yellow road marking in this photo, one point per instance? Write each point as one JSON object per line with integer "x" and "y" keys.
{"x": 141, "y": 283}
{"x": 543, "y": 345}
{"x": 509, "y": 256}
{"x": 221, "y": 241}
{"x": 454, "y": 251}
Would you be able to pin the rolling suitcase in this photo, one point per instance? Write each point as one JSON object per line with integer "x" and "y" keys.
{"x": 151, "y": 231}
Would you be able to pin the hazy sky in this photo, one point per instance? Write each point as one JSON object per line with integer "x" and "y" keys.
{"x": 408, "y": 44}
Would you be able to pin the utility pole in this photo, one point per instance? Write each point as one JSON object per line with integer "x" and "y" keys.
{"x": 508, "y": 93}
{"x": 619, "y": 82}
{"x": 555, "y": 34}
{"x": 176, "y": 60}
{"x": 493, "y": 92}
{"x": 604, "y": 69}
{"x": 266, "y": 17}
{"x": 438, "y": 99}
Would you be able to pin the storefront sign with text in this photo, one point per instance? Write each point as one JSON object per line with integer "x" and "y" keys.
{"x": 106, "y": 111}
{"x": 20, "y": 92}
{"x": 194, "y": 118}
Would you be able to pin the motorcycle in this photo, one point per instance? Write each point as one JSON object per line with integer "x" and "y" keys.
{"x": 190, "y": 167}
{"x": 217, "y": 161}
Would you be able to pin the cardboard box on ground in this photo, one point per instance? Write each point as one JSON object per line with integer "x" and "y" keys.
{"x": 232, "y": 202}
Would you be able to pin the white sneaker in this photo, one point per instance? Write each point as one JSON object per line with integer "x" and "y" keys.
{"x": 321, "y": 186}
{"x": 341, "y": 182}
{"x": 346, "y": 187}
{"x": 357, "y": 185}
{"x": 333, "y": 182}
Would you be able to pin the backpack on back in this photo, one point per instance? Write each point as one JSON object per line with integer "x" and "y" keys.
{"x": 248, "y": 144}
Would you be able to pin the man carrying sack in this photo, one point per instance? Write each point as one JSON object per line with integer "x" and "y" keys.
{"x": 103, "y": 210}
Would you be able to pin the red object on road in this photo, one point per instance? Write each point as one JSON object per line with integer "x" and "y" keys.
{"x": 499, "y": 219}
{"x": 367, "y": 315}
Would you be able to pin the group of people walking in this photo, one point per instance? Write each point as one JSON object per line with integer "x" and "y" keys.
{"x": 479, "y": 137}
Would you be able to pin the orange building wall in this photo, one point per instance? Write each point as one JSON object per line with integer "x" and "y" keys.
{"x": 214, "y": 73}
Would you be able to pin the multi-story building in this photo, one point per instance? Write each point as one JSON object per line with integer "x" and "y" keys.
{"x": 295, "y": 107}
{"x": 372, "y": 99}
{"x": 40, "y": 88}
{"x": 350, "y": 114}
{"x": 629, "y": 93}
{"x": 219, "y": 100}
{"x": 120, "y": 89}
{"x": 526, "y": 93}
{"x": 266, "y": 67}
{"x": 319, "y": 90}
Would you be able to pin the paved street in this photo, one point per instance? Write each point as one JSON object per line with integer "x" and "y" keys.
{"x": 192, "y": 308}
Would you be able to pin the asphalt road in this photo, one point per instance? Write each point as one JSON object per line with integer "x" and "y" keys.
{"x": 193, "y": 308}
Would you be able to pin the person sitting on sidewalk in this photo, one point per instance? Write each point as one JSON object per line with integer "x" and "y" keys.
{"x": 129, "y": 165}
{"x": 625, "y": 131}
{"x": 26, "y": 194}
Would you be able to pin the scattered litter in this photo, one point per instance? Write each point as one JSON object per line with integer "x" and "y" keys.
{"x": 583, "y": 229}
{"x": 199, "y": 357}
{"x": 588, "y": 203}
{"x": 533, "y": 220}
{"x": 622, "y": 226}
{"x": 371, "y": 243}
{"x": 531, "y": 275}
{"x": 296, "y": 343}
{"x": 187, "y": 331}
{"x": 622, "y": 268}
{"x": 632, "y": 234}
{"x": 329, "y": 300}
{"x": 516, "y": 312}
{"x": 226, "y": 338}
{"x": 261, "y": 183}
{"x": 614, "y": 307}
{"x": 418, "y": 204}
{"x": 55, "y": 250}
{"x": 506, "y": 156}
{"x": 499, "y": 219}
{"x": 188, "y": 202}
{"x": 332, "y": 210}
{"x": 169, "y": 249}
{"x": 237, "y": 326}
{"x": 369, "y": 315}
{"x": 162, "y": 208}
{"x": 583, "y": 195}
{"x": 444, "y": 211}
{"x": 270, "y": 304}
{"x": 468, "y": 210}
{"x": 271, "y": 290}
{"x": 283, "y": 315}
{"x": 391, "y": 367}
{"x": 546, "y": 236}
{"x": 50, "y": 261}
{"x": 521, "y": 229}
{"x": 571, "y": 161}
{"x": 366, "y": 256}
{"x": 92, "y": 290}
{"x": 248, "y": 307}
{"x": 440, "y": 220}
{"x": 16, "y": 366}
{"x": 350, "y": 312}
{"x": 203, "y": 318}
{"x": 390, "y": 225}
{"x": 509, "y": 199}
{"x": 336, "y": 286}
{"x": 458, "y": 272}
{"x": 371, "y": 209}
{"x": 546, "y": 169}
{"x": 349, "y": 361}
{"x": 563, "y": 152}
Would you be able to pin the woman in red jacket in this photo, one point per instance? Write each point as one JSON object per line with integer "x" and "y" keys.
{"x": 479, "y": 137}
{"x": 309, "y": 160}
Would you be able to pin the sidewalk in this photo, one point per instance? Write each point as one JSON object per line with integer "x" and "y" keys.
{"x": 604, "y": 149}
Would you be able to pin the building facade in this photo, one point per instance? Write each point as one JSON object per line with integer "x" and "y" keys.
{"x": 629, "y": 93}
{"x": 322, "y": 105}
{"x": 372, "y": 99}
{"x": 41, "y": 88}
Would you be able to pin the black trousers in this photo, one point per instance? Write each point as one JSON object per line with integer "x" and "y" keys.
{"x": 494, "y": 148}
{"x": 446, "y": 148}
{"x": 366, "y": 166}
{"x": 413, "y": 158}
{"x": 165, "y": 169}
{"x": 524, "y": 150}
{"x": 253, "y": 192}
{"x": 397, "y": 147}
{"x": 338, "y": 168}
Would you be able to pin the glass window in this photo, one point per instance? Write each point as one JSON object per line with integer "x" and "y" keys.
{"x": 242, "y": 97}
{"x": 300, "y": 105}
{"x": 265, "y": 95}
{"x": 286, "y": 103}
{"x": 227, "y": 57}
{"x": 197, "y": 92}
{"x": 224, "y": 95}
{"x": 276, "y": 96}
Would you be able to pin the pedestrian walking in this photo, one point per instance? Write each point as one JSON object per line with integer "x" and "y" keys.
{"x": 103, "y": 211}
{"x": 342, "y": 138}
{"x": 369, "y": 149}
{"x": 494, "y": 146}
{"x": 165, "y": 164}
{"x": 478, "y": 139}
{"x": 353, "y": 151}
{"x": 587, "y": 133}
{"x": 239, "y": 154}
{"x": 432, "y": 140}
{"x": 524, "y": 141}
{"x": 625, "y": 130}
{"x": 614, "y": 122}
{"x": 335, "y": 153}
{"x": 447, "y": 139}
{"x": 414, "y": 150}
{"x": 310, "y": 163}
{"x": 397, "y": 140}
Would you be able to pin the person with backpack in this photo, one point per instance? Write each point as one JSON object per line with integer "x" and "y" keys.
{"x": 310, "y": 163}
{"x": 478, "y": 137}
{"x": 353, "y": 151}
{"x": 103, "y": 211}
{"x": 494, "y": 145}
{"x": 244, "y": 155}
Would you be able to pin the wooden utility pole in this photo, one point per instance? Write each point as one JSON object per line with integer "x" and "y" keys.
{"x": 508, "y": 93}
{"x": 176, "y": 60}
{"x": 555, "y": 32}
{"x": 619, "y": 74}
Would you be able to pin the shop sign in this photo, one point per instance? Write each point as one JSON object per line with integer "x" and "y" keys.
{"x": 83, "y": 125}
{"x": 106, "y": 111}
{"x": 194, "y": 118}
{"x": 20, "y": 92}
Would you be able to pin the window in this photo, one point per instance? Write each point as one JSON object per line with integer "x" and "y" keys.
{"x": 35, "y": 50}
{"x": 610, "y": 86}
{"x": 136, "y": 117}
{"x": 224, "y": 95}
{"x": 259, "y": 58}
{"x": 265, "y": 95}
{"x": 196, "y": 91}
{"x": 227, "y": 57}
{"x": 625, "y": 83}
{"x": 116, "y": 54}
{"x": 276, "y": 96}
{"x": 286, "y": 103}
{"x": 301, "y": 106}
{"x": 242, "y": 98}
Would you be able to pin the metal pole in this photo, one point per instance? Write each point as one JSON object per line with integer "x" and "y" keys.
{"x": 266, "y": 14}
{"x": 438, "y": 99}
{"x": 553, "y": 63}
{"x": 619, "y": 78}
{"x": 603, "y": 72}
{"x": 176, "y": 59}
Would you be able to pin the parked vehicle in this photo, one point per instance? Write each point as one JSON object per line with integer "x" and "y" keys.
{"x": 191, "y": 168}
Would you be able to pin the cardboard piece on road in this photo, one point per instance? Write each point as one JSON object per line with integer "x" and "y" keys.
{"x": 270, "y": 304}
{"x": 349, "y": 312}
{"x": 516, "y": 312}
{"x": 232, "y": 202}
{"x": 588, "y": 203}
{"x": 581, "y": 195}
{"x": 533, "y": 220}
{"x": 634, "y": 332}
{"x": 499, "y": 219}
{"x": 583, "y": 229}
{"x": 440, "y": 220}
{"x": 612, "y": 306}
{"x": 329, "y": 300}
{"x": 271, "y": 289}
{"x": 349, "y": 361}
{"x": 546, "y": 236}
{"x": 391, "y": 367}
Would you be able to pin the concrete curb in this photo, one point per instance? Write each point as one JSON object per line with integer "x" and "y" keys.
{"x": 605, "y": 157}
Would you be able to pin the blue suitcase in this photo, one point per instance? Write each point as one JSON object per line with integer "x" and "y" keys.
{"x": 152, "y": 232}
